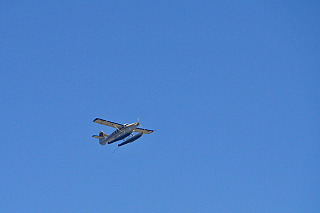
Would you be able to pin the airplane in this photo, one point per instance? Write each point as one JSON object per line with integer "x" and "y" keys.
{"x": 122, "y": 132}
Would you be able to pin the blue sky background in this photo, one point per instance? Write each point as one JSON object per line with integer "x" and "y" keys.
{"x": 231, "y": 88}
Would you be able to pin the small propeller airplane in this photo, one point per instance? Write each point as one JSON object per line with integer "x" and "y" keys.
{"x": 122, "y": 132}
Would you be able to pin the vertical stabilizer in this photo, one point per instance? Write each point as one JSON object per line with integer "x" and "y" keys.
{"x": 102, "y": 137}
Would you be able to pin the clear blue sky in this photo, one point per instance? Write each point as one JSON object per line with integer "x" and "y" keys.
{"x": 231, "y": 88}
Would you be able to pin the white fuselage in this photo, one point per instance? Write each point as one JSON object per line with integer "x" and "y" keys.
{"x": 120, "y": 134}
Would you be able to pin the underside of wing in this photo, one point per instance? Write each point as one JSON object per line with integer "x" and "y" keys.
{"x": 107, "y": 123}
{"x": 144, "y": 131}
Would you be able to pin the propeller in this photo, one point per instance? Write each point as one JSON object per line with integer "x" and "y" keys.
{"x": 139, "y": 123}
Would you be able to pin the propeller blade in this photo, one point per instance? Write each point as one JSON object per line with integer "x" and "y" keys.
{"x": 139, "y": 123}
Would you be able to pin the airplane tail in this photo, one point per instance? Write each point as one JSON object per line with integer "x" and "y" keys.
{"x": 102, "y": 137}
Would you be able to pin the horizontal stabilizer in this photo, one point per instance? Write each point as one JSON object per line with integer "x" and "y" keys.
{"x": 98, "y": 137}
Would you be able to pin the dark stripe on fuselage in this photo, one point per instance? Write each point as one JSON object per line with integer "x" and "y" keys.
{"x": 121, "y": 129}
{"x": 120, "y": 138}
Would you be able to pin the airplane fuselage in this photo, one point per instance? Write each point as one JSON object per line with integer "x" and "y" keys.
{"x": 120, "y": 134}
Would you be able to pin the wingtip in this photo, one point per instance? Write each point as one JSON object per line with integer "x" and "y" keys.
{"x": 97, "y": 119}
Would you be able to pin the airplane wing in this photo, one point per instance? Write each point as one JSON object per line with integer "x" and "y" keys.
{"x": 144, "y": 131}
{"x": 107, "y": 123}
